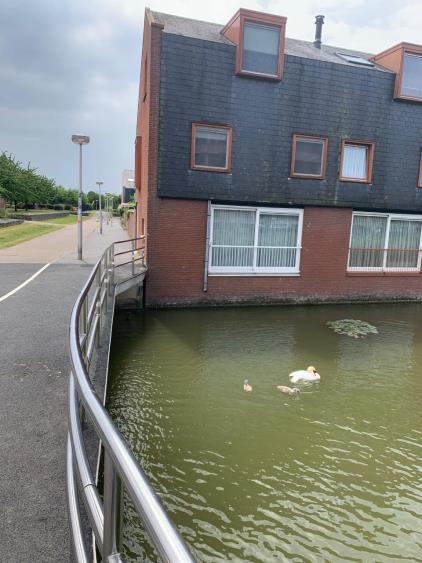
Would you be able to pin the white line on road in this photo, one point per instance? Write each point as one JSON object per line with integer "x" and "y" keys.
{"x": 29, "y": 280}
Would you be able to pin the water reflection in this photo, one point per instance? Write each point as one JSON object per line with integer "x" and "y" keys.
{"x": 334, "y": 475}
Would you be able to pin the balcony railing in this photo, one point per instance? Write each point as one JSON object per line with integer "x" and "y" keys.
{"x": 384, "y": 260}
{"x": 121, "y": 469}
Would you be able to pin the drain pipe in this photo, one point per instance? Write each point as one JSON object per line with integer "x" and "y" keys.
{"x": 207, "y": 248}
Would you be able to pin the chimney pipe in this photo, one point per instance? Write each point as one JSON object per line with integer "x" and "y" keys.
{"x": 319, "y": 22}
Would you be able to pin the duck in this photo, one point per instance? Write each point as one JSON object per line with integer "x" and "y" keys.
{"x": 246, "y": 386}
{"x": 288, "y": 390}
{"x": 310, "y": 374}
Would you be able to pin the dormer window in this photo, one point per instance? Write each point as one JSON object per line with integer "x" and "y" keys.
{"x": 261, "y": 48}
{"x": 260, "y": 43}
{"x": 411, "y": 83}
{"x": 405, "y": 59}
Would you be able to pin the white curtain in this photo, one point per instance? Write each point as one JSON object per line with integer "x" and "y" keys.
{"x": 368, "y": 240}
{"x": 233, "y": 238}
{"x": 277, "y": 231}
{"x": 354, "y": 164}
{"x": 403, "y": 244}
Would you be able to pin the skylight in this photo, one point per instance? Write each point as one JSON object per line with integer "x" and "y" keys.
{"x": 355, "y": 59}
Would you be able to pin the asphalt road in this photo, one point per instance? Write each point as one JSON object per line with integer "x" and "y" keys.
{"x": 34, "y": 367}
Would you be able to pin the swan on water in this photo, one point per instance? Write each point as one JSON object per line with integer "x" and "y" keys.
{"x": 246, "y": 386}
{"x": 288, "y": 390}
{"x": 310, "y": 374}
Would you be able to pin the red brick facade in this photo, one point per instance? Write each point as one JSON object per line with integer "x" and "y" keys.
{"x": 177, "y": 265}
{"x": 176, "y": 230}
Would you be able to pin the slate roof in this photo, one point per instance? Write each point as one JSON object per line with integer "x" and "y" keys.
{"x": 295, "y": 47}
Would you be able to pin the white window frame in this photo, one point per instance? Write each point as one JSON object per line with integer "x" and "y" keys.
{"x": 256, "y": 270}
{"x": 384, "y": 268}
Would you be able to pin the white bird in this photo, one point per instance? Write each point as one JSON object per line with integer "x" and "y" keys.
{"x": 310, "y": 374}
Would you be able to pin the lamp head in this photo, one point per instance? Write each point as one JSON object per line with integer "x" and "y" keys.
{"x": 80, "y": 139}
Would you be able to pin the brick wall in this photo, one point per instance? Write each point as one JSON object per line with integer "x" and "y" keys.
{"x": 176, "y": 267}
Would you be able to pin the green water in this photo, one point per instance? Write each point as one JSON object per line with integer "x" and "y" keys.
{"x": 333, "y": 475}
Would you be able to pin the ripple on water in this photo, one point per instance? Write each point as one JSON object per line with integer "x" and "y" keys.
{"x": 333, "y": 475}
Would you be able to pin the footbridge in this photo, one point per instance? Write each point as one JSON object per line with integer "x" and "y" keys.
{"x": 96, "y": 450}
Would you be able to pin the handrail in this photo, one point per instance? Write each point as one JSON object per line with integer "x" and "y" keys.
{"x": 120, "y": 466}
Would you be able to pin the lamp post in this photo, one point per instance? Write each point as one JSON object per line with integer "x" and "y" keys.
{"x": 99, "y": 184}
{"x": 80, "y": 140}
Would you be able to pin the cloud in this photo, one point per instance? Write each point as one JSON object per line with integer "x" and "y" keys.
{"x": 73, "y": 66}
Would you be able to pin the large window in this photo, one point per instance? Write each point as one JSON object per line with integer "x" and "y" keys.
{"x": 255, "y": 240}
{"x": 385, "y": 243}
{"x": 261, "y": 49}
{"x": 309, "y": 155}
{"x": 356, "y": 161}
{"x": 211, "y": 147}
{"x": 411, "y": 82}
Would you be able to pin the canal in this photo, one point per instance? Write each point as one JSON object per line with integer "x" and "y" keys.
{"x": 333, "y": 474}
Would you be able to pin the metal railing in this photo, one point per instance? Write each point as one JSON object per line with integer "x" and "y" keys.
{"x": 121, "y": 469}
{"x": 385, "y": 260}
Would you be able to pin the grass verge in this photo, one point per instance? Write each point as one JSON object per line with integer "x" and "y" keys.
{"x": 69, "y": 220}
{"x": 10, "y": 236}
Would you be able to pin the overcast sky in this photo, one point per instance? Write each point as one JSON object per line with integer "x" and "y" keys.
{"x": 72, "y": 66}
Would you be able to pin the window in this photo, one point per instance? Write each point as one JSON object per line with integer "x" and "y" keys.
{"x": 411, "y": 83}
{"x": 385, "y": 243}
{"x": 261, "y": 48}
{"x": 309, "y": 156}
{"x": 355, "y": 59}
{"x": 211, "y": 147}
{"x": 247, "y": 240}
{"x": 356, "y": 161}
{"x": 420, "y": 172}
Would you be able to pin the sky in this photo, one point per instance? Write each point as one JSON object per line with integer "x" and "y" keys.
{"x": 72, "y": 66}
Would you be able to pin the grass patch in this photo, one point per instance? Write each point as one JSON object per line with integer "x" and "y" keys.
{"x": 10, "y": 236}
{"x": 36, "y": 211}
{"x": 69, "y": 220}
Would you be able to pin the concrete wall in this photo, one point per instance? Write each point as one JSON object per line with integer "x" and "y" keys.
{"x": 314, "y": 97}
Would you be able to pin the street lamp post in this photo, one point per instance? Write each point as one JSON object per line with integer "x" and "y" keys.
{"x": 99, "y": 184}
{"x": 80, "y": 140}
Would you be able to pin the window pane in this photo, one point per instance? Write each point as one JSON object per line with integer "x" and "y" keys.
{"x": 211, "y": 147}
{"x": 367, "y": 244}
{"x": 260, "y": 48}
{"x": 235, "y": 231}
{"x": 403, "y": 244}
{"x": 277, "y": 231}
{"x": 308, "y": 159}
{"x": 354, "y": 164}
{"x": 412, "y": 76}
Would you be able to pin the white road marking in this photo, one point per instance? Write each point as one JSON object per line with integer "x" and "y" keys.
{"x": 26, "y": 282}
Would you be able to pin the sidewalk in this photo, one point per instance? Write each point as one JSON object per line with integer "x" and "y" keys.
{"x": 34, "y": 367}
{"x": 62, "y": 244}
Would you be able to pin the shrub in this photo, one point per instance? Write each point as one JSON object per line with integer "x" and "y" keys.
{"x": 58, "y": 206}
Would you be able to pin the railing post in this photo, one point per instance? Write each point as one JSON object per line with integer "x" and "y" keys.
{"x": 111, "y": 510}
{"x": 133, "y": 256}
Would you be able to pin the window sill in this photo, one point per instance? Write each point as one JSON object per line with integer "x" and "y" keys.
{"x": 206, "y": 169}
{"x": 255, "y": 274}
{"x": 355, "y": 181}
{"x": 247, "y": 73}
{"x": 382, "y": 274}
{"x": 305, "y": 177}
{"x": 408, "y": 98}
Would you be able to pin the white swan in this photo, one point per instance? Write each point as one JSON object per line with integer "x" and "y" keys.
{"x": 310, "y": 374}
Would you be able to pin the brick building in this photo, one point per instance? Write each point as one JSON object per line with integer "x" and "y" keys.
{"x": 270, "y": 169}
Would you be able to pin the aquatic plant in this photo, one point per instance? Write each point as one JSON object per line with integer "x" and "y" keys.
{"x": 352, "y": 327}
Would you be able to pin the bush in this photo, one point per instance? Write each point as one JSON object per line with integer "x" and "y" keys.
{"x": 67, "y": 206}
{"x": 58, "y": 206}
